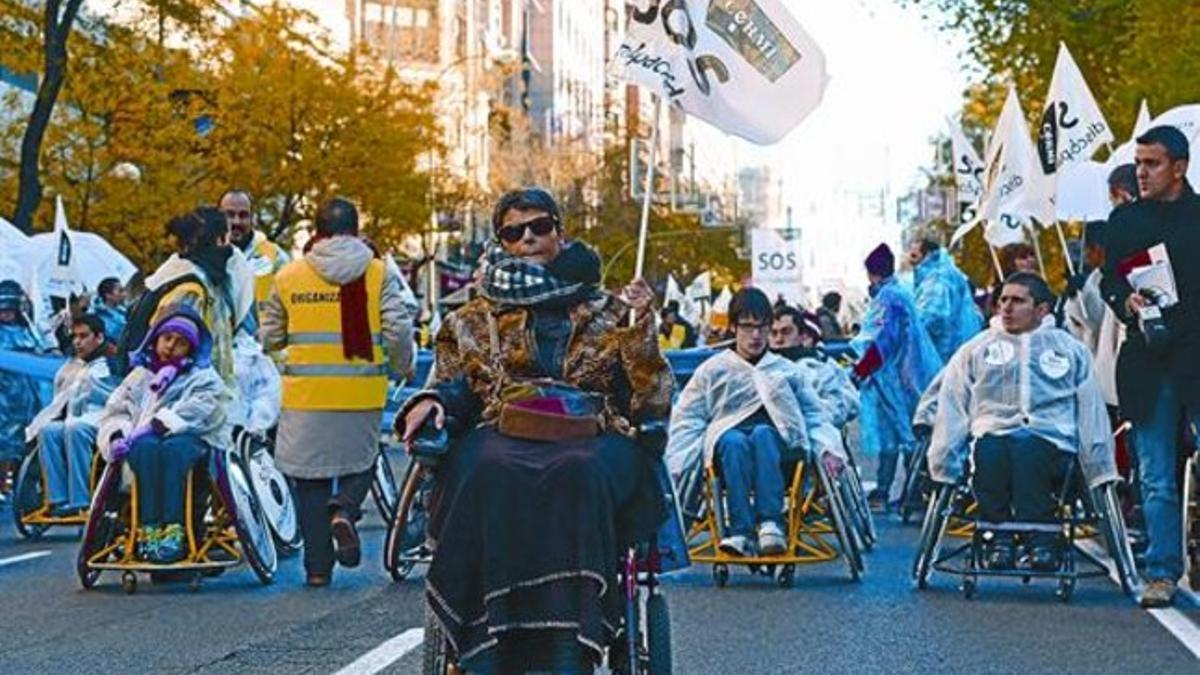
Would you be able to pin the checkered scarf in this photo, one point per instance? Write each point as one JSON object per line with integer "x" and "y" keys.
{"x": 509, "y": 280}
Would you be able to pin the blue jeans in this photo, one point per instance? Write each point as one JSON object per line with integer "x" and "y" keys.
{"x": 161, "y": 465}
{"x": 1156, "y": 442}
{"x": 749, "y": 460}
{"x": 66, "y": 449}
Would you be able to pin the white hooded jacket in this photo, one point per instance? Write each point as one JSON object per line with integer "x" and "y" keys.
{"x": 1042, "y": 381}
{"x": 726, "y": 390}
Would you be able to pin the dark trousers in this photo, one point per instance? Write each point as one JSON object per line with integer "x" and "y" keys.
{"x": 161, "y": 465}
{"x": 1018, "y": 477}
{"x": 317, "y": 501}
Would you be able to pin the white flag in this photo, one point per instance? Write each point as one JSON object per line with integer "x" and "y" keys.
{"x": 687, "y": 309}
{"x": 744, "y": 66}
{"x": 1012, "y": 178}
{"x": 1004, "y": 230}
{"x": 701, "y": 287}
{"x": 1124, "y": 154}
{"x": 1072, "y": 128}
{"x": 64, "y": 275}
{"x": 968, "y": 167}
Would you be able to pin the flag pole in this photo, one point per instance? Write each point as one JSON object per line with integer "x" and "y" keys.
{"x": 1062, "y": 239}
{"x": 648, "y": 194}
{"x": 996, "y": 262}
{"x": 1037, "y": 248}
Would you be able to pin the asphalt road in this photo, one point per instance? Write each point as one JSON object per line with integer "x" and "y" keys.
{"x": 825, "y": 623}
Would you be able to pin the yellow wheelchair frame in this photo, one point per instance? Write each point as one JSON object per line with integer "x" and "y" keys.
{"x": 34, "y": 523}
{"x": 816, "y": 518}
{"x": 214, "y": 547}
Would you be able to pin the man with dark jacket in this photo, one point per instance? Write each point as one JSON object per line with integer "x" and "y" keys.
{"x": 1158, "y": 381}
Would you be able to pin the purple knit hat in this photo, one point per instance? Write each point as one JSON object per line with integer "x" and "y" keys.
{"x": 881, "y": 262}
{"x": 183, "y": 326}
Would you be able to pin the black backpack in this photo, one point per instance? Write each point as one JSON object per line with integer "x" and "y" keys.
{"x": 137, "y": 324}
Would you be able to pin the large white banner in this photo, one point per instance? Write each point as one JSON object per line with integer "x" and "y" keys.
{"x": 744, "y": 66}
{"x": 776, "y": 265}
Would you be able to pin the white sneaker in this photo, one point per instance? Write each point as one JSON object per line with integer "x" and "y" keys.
{"x": 770, "y": 539}
{"x": 736, "y": 545}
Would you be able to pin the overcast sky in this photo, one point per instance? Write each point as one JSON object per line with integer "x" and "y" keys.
{"x": 893, "y": 80}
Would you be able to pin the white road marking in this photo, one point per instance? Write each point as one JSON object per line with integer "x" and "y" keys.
{"x": 23, "y": 557}
{"x": 385, "y": 654}
{"x": 1175, "y": 621}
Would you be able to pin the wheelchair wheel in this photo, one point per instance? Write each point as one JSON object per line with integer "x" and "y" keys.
{"x": 102, "y": 528}
{"x": 249, "y": 521}
{"x": 274, "y": 495}
{"x": 435, "y": 651}
{"x": 914, "y": 488}
{"x": 28, "y": 496}
{"x": 405, "y": 543}
{"x": 658, "y": 635}
{"x": 1116, "y": 537}
{"x": 932, "y": 530}
{"x": 847, "y": 540}
{"x": 855, "y": 499}
{"x": 383, "y": 487}
{"x": 1191, "y": 521}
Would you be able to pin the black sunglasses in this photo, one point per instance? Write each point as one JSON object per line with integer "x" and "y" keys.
{"x": 539, "y": 226}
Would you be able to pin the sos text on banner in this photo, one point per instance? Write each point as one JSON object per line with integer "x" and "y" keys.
{"x": 776, "y": 264}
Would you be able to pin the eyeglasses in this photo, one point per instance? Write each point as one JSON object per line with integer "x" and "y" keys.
{"x": 754, "y": 327}
{"x": 241, "y": 215}
{"x": 539, "y": 226}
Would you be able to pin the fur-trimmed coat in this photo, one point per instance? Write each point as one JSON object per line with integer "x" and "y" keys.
{"x": 604, "y": 354}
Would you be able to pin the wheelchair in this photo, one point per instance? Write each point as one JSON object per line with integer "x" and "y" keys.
{"x": 31, "y": 511}
{"x": 384, "y": 490}
{"x": 1083, "y": 514}
{"x": 646, "y": 650}
{"x": 225, "y": 526}
{"x": 1191, "y": 518}
{"x": 271, "y": 489}
{"x": 827, "y": 517}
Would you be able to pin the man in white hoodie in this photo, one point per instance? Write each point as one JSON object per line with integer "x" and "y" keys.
{"x": 343, "y": 317}
{"x": 1027, "y": 393}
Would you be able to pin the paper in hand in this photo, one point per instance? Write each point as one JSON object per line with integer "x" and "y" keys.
{"x": 1151, "y": 271}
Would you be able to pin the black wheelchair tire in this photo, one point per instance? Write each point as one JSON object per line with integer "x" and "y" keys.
{"x": 912, "y": 485}
{"x": 394, "y": 544}
{"x": 1108, "y": 509}
{"x": 435, "y": 650}
{"x": 28, "y": 495}
{"x": 262, "y": 562}
{"x": 101, "y": 526}
{"x": 1191, "y": 520}
{"x": 855, "y": 500}
{"x": 931, "y": 533}
{"x": 847, "y": 540}
{"x": 383, "y": 487}
{"x": 658, "y": 635}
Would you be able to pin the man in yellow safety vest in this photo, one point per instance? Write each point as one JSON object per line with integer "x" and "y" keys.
{"x": 344, "y": 319}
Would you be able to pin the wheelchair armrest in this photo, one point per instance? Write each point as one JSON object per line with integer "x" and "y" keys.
{"x": 652, "y": 436}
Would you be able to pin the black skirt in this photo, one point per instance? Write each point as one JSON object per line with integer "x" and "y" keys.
{"x": 529, "y": 536}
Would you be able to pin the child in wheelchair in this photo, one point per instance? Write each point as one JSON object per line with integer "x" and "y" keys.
{"x": 161, "y": 421}
{"x": 1028, "y": 396}
{"x": 65, "y": 430}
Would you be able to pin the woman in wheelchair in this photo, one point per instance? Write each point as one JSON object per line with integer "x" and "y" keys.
{"x": 527, "y": 533}
{"x": 1028, "y": 396}
{"x": 161, "y": 421}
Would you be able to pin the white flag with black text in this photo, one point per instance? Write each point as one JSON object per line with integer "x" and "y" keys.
{"x": 745, "y": 66}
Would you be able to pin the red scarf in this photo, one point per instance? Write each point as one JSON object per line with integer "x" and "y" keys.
{"x": 356, "y": 325}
